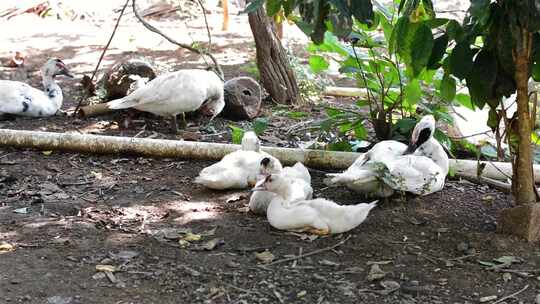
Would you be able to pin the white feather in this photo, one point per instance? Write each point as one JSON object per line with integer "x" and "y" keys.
{"x": 177, "y": 92}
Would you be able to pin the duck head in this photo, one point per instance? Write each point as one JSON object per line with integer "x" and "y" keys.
{"x": 422, "y": 132}
{"x": 271, "y": 183}
{"x": 54, "y": 67}
{"x": 213, "y": 108}
{"x": 269, "y": 166}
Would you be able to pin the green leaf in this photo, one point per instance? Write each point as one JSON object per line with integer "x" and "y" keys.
{"x": 461, "y": 60}
{"x": 288, "y": 6}
{"x": 428, "y": 7}
{"x": 435, "y": 23}
{"x": 362, "y": 10}
{"x": 399, "y": 31}
{"x": 482, "y": 78}
{"x": 298, "y": 115}
{"x": 493, "y": 119}
{"x": 318, "y": 63}
{"x": 465, "y": 100}
{"x": 259, "y": 125}
{"x": 454, "y": 31}
{"x": 443, "y": 139}
{"x": 421, "y": 47}
{"x": 405, "y": 125}
{"x": 253, "y": 6}
{"x": 360, "y": 131}
{"x": 412, "y": 92}
{"x": 438, "y": 51}
{"x": 237, "y": 134}
{"x": 448, "y": 88}
{"x": 272, "y": 7}
{"x": 333, "y": 112}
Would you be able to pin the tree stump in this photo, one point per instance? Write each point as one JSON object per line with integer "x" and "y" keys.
{"x": 276, "y": 74}
{"x": 116, "y": 81}
{"x": 523, "y": 221}
{"x": 243, "y": 98}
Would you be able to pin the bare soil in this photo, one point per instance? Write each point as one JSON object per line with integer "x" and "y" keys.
{"x": 64, "y": 214}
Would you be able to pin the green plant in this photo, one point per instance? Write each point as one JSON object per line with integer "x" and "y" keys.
{"x": 398, "y": 62}
{"x": 259, "y": 125}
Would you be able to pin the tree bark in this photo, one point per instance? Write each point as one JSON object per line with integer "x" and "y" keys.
{"x": 276, "y": 74}
{"x": 523, "y": 181}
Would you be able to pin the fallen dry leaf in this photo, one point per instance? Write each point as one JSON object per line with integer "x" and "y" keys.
{"x": 109, "y": 268}
{"x": 191, "y": 237}
{"x": 5, "y": 247}
{"x": 265, "y": 256}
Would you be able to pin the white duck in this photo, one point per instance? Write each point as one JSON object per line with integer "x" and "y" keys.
{"x": 238, "y": 169}
{"x": 390, "y": 166}
{"x": 177, "y": 93}
{"x": 300, "y": 185}
{"x": 18, "y": 98}
{"x": 318, "y": 216}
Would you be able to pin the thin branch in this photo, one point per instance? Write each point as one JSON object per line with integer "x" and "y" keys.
{"x": 300, "y": 256}
{"x": 206, "y": 24}
{"x": 150, "y": 27}
{"x": 85, "y": 93}
{"x": 511, "y": 295}
{"x": 501, "y": 186}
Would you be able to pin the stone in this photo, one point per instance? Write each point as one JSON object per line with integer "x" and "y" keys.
{"x": 243, "y": 98}
{"x": 523, "y": 221}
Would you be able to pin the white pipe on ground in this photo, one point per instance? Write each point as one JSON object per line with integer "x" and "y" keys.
{"x": 101, "y": 144}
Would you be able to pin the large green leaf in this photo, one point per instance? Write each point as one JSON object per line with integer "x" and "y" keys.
{"x": 465, "y": 100}
{"x": 481, "y": 79}
{"x": 288, "y": 6}
{"x": 448, "y": 88}
{"x": 461, "y": 60}
{"x": 439, "y": 49}
{"x": 420, "y": 48}
{"x": 362, "y": 10}
{"x": 272, "y": 7}
{"x": 428, "y": 7}
{"x": 318, "y": 63}
{"x": 413, "y": 93}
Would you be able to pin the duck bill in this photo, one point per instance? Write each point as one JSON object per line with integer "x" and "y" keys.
{"x": 65, "y": 72}
{"x": 260, "y": 186}
{"x": 410, "y": 149}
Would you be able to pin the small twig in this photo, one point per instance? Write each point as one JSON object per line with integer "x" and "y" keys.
{"x": 470, "y": 135}
{"x": 300, "y": 256}
{"x": 219, "y": 72}
{"x": 511, "y": 295}
{"x": 480, "y": 180}
{"x": 85, "y": 93}
{"x": 207, "y": 27}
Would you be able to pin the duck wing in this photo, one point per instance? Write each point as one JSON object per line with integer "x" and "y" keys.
{"x": 183, "y": 89}
{"x": 416, "y": 174}
{"x": 18, "y": 98}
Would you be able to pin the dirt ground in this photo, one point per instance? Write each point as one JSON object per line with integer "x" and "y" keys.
{"x": 63, "y": 214}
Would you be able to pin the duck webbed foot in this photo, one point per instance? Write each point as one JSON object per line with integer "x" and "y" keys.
{"x": 318, "y": 231}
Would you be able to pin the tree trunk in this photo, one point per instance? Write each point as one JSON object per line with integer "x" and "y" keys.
{"x": 523, "y": 181}
{"x": 276, "y": 74}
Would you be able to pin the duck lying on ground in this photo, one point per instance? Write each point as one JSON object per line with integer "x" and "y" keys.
{"x": 237, "y": 170}
{"x": 318, "y": 216}
{"x": 390, "y": 166}
{"x": 18, "y": 98}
